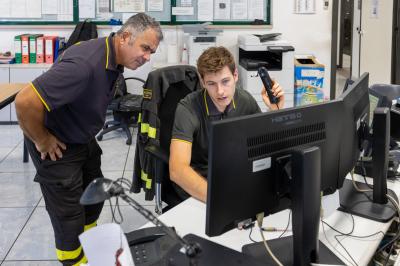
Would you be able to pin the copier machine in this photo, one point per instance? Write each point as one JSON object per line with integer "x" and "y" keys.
{"x": 276, "y": 55}
{"x": 199, "y": 38}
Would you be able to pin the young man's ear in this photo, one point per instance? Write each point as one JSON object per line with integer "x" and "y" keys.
{"x": 201, "y": 81}
{"x": 236, "y": 74}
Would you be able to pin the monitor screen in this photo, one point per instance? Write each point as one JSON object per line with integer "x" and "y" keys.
{"x": 355, "y": 123}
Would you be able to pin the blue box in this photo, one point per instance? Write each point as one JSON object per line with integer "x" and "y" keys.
{"x": 308, "y": 81}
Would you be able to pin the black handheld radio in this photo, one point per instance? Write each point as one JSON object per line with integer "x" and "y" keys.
{"x": 267, "y": 82}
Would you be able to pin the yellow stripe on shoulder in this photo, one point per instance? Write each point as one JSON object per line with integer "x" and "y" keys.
{"x": 107, "y": 52}
{"x": 182, "y": 140}
{"x": 40, "y": 97}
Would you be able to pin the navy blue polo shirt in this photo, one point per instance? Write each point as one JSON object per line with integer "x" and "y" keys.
{"x": 77, "y": 89}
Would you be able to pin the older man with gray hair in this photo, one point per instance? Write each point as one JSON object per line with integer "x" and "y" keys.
{"x": 61, "y": 111}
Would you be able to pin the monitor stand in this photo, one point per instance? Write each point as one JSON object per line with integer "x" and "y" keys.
{"x": 305, "y": 191}
{"x": 362, "y": 203}
{"x": 373, "y": 204}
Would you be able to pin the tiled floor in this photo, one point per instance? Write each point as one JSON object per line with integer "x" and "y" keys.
{"x": 26, "y": 236}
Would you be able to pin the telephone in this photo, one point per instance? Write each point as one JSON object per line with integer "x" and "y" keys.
{"x": 149, "y": 245}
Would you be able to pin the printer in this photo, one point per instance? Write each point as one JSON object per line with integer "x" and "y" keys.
{"x": 276, "y": 55}
{"x": 198, "y": 38}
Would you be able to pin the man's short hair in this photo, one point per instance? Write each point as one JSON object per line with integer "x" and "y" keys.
{"x": 139, "y": 23}
{"x": 214, "y": 59}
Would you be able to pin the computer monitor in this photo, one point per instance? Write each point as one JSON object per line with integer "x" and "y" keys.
{"x": 355, "y": 122}
{"x": 357, "y": 139}
{"x": 254, "y": 164}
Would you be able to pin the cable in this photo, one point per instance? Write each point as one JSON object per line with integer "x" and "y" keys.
{"x": 124, "y": 181}
{"x": 113, "y": 217}
{"x": 330, "y": 244}
{"x": 346, "y": 234}
{"x": 251, "y": 230}
{"x": 287, "y": 225}
{"x": 345, "y": 249}
{"x": 260, "y": 217}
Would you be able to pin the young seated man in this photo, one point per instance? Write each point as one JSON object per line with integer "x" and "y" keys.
{"x": 220, "y": 99}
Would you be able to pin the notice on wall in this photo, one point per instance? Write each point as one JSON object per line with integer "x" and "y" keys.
{"x": 374, "y": 13}
{"x": 304, "y": 6}
{"x": 103, "y": 10}
{"x": 186, "y": 3}
{"x": 49, "y": 7}
{"x": 222, "y": 9}
{"x": 129, "y": 6}
{"x": 65, "y": 10}
{"x": 239, "y": 9}
{"x": 182, "y": 11}
{"x": 155, "y": 5}
{"x": 256, "y": 9}
{"x": 87, "y": 9}
{"x": 205, "y": 10}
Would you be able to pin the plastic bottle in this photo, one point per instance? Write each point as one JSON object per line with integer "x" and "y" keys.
{"x": 185, "y": 55}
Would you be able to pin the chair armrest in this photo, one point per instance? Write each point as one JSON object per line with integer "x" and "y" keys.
{"x": 161, "y": 163}
{"x": 157, "y": 152}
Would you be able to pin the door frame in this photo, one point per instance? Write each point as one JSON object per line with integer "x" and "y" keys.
{"x": 395, "y": 78}
{"x": 334, "y": 48}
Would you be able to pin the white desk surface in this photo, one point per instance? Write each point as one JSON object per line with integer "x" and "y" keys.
{"x": 190, "y": 216}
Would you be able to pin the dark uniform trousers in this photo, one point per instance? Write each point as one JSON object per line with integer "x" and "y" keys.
{"x": 62, "y": 183}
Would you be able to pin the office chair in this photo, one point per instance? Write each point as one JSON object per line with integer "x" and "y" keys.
{"x": 125, "y": 108}
{"x": 162, "y": 92}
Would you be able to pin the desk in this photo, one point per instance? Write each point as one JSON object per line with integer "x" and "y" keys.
{"x": 190, "y": 215}
{"x": 8, "y": 91}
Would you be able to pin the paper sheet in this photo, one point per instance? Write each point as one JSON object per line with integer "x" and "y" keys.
{"x": 129, "y": 6}
{"x": 24, "y": 8}
{"x": 33, "y": 8}
{"x": 205, "y": 10}
{"x": 155, "y": 5}
{"x": 182, "y": 11}
{"x": 304, "y": 6}
{"x": 5, "y": 9}
{"x": 374, "y": 13}
{"x": 103, "y": 10}
{"x": 255, "y": 9}
{"x": 65, "y": 10}
{"x": 222, "y": 9}
{"x": 87, "y": 9}
{"x": 186, "y": 3}
{"x": 49, "y": 7}
{"x": 101, "y": 244}
{"x": 239, "y": 9}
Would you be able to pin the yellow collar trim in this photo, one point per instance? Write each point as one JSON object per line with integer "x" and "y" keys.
{"x": 107, "y": 52}
{"x": 205, "y": 102}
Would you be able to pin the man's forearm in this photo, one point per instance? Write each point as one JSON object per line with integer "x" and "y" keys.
{"x": 192, "y": 183}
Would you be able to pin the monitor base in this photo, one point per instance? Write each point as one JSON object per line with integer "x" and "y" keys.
{"x": 282, "y": 249}
{"x": 361, "y": 204}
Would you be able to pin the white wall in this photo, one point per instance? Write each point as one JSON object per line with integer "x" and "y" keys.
{"x": 309, "y": 34}
{"x": 376, "y": 42}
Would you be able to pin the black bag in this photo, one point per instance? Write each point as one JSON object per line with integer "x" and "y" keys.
{"x": 83, "y": 31}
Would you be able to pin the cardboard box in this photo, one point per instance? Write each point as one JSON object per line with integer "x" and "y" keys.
{"x": 308, "y": 80}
